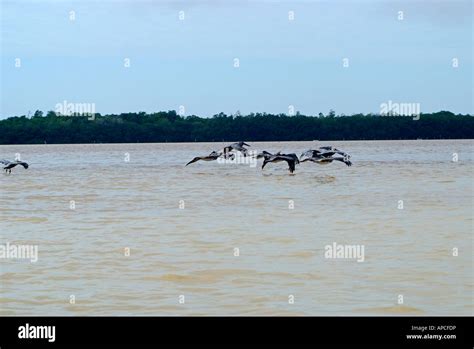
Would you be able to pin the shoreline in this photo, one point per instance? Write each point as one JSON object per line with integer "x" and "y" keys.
{"x": 232, "y": 141}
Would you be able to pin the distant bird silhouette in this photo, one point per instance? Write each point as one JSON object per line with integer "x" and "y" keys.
{"x": 211, "y": 157}
{"x": 239, "y": 146}
{"x": 326, "y": 151}
{"x": 325, "y": 155}
{"x": 266, "y": 155}
{"x": 291, "y": 159}
{"x": 10, "y": 164}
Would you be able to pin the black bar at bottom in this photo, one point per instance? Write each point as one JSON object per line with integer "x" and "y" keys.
{"x": 448, "y": 332}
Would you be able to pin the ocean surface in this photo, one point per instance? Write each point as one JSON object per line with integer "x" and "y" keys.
{"x": 127, "y": 229}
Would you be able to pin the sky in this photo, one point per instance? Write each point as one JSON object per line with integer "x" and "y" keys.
{"x": 349, "y": 56}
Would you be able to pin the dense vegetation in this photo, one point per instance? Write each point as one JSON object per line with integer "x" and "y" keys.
{"x": 170, "y": 127}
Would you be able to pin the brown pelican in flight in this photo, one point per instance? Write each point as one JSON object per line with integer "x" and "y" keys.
{"x": 291, "y": 159}
{"x": 239, "y": 146}
{"x": 10, "y": 164}
{"x": 325, "y": 151}
{"x": 325, "y": 155}
{"x": 211, "y": 157}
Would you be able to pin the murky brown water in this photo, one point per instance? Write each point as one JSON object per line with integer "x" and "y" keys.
{"x": 190, "y": 251}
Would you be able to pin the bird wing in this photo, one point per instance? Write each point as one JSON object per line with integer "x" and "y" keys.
{"x": 334, "y": 151}
{"x": 24, "y": 164}
{"x": 312, "y": 153}
{"x": 197, "y": 158}
{"x": 264, "y": 154}
{"x": 344, "y": 160}
{"x": 295, "y": 157}
{"x": 289, "y": 158}
{"x": 226, "y": 153}
{"x": 324, "y": 160}
{"x": 328, "y": 154}
{"x": 4, "y": 162}
{"x": 243, "y": 150}
{"x": 291, "y": 164}
{"x": 230, "y": 156}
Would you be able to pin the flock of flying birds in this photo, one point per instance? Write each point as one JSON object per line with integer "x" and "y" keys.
{"x": 322, "y": 156}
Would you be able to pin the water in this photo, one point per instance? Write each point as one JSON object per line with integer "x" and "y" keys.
{"x": 135, "y": 205}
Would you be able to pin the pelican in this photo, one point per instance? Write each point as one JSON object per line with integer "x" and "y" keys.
{"x": 325, "y": 155}
{"x": 10, "y": 164}
{"x": 326, "y": 151}
{"x": 291, "y": 159}
{"x": 266, "y": 155}
{"x": 239, "y": 146}
{"x": 211, "y": 157}
{"x": 330, "y": 148}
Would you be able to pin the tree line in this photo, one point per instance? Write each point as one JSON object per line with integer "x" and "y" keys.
{"x": 171, "y": 127}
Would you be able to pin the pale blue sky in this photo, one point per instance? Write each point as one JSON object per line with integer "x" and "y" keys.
{"x": 282, "y": 62}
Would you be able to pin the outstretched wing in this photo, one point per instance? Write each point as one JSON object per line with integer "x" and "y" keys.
{"x": 324, "y": 161}
{"x": 295, "y": 157}
{"x": 291, "y": 160}
{"x": 334, "y": 150}
{"x": 328, "y": 154}
{"x": 264, "y": 154}
{"x": 4, "y": 162}
{"x": 197, "y": 158}
{"x": 311, "y": 153}
{"x": 291, "y": 165}
{"x": 344, "y": 160}
{"x": 24, "y": 164}
{"x": 340, "y": 152}
{"x": 244, "y": 151}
